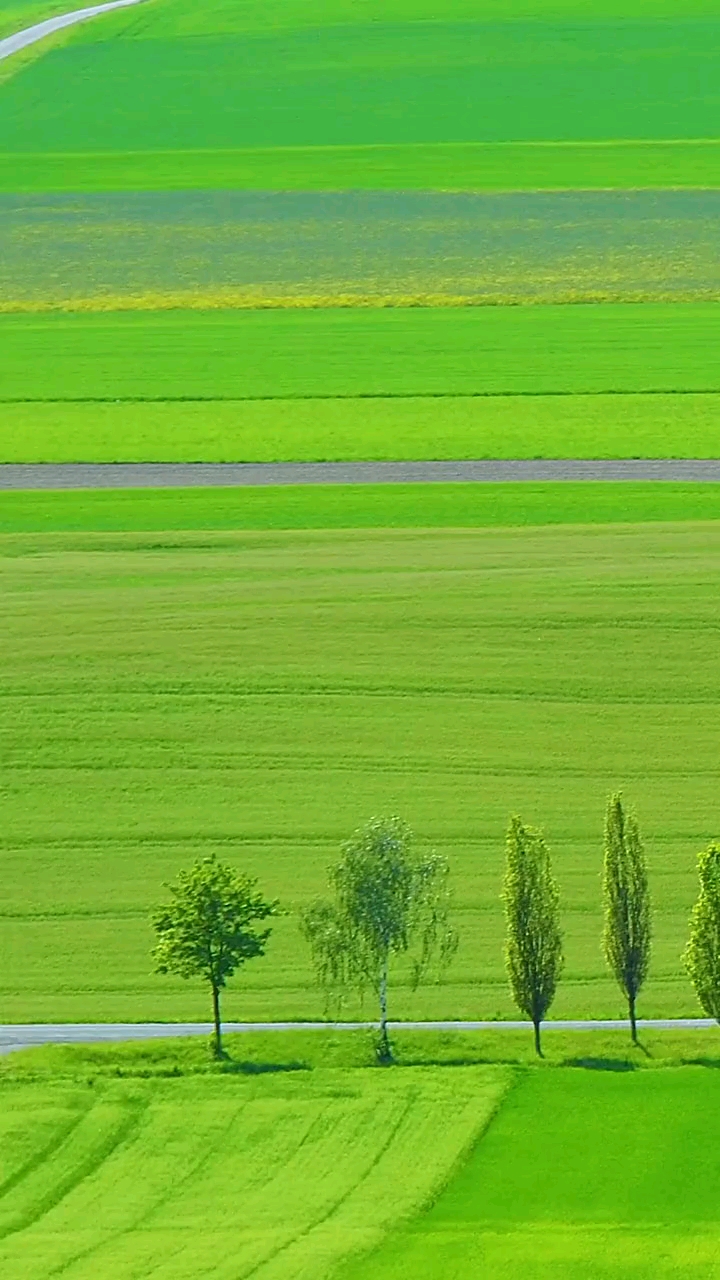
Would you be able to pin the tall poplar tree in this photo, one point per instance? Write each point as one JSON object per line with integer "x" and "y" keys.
{"x": 702, "y": 955}
{"x": 533, "y": 950}
{"x": 628, "y": 919}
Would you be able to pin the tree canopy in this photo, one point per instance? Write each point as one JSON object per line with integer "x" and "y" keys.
{"x": 387, "y": 902}
{"x": 628, "y": 924}
{"x": 533, "y": 949}
{"x": 702, "y": 955}
{"x": 207, "y": 931}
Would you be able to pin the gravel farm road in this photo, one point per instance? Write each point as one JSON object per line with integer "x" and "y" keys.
{"x": 21, "y": 39}
{"x": 28, "y": 1037}
{"x": 142, "y": 475}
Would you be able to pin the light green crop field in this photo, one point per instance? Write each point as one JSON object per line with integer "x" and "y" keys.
{"x": 449, "y": 427}
{"x": 351, "y": 384}
{"x": 289, "y": 1160}
{"x": 277, "y": 1175}
{"x": 363, "y": 506}
{"x": 263, "y": 693}
{"x": 216, "y": 355}
{"x": 460, "y": 166}
{"x": 580, "y": 1174}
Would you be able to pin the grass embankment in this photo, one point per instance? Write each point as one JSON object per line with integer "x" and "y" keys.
{"x": 263, "y": 693}
{"x": 411, "y": 383}
{"x": 19, "y": 14}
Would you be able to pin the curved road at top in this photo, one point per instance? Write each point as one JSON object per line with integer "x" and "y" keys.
{"x": 21, "y": 39}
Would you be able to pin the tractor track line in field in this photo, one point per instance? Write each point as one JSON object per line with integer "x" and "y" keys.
{"x": 13, "y": 1037}
{"x": 162, "y": 475}
{"x": 30, "y": 35}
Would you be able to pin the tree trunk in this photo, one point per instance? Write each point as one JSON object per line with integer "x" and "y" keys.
{"x": 384, "y": 1050}
{"x": 538, "y": 1047}
{"x": 217, "y": 1039}
{"x": 633, "y": 1022}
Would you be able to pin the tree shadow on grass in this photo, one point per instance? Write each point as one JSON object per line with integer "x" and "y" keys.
{"x": 601, "y": 1064}
{"x": 446, "y": 1062}
{"x": 230, "y": 1067}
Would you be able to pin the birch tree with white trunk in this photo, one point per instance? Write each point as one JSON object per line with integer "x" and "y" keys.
{"x": 388, "y": 903}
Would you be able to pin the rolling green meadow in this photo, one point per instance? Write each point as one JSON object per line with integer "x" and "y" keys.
{"x": 308, "y": 230}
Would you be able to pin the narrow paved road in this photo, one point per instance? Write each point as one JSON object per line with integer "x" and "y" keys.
{"x": 142, "y": 475}
{"x": 27, "y": 1037}
{"x": 21, "y": 39}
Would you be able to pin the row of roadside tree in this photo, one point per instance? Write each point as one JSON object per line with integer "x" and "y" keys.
{"x": 388, "y": 903}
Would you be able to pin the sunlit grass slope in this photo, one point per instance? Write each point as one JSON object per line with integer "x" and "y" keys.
{"x": 227, "y": 80}
{"x": 261, "y": 694}
{"x": 277, "y": 1176}
{"x": 582, "y": 1173}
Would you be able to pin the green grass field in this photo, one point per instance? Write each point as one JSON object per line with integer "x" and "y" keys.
{"x": 218, "y": 355}
{"x": 278, "y": 1175}
{"x": 450, "y": 427}
{"x": 472, "y": 166}
{"x": 352, "y": 384}
{"x": 377, "y": 81}
{"x": 293, "y": 1159}
{"x": 263, "y": 693}
{"x": 367, "y": 506}
{"x": 580, "y": 1174}
{"x": 402, "y": 95}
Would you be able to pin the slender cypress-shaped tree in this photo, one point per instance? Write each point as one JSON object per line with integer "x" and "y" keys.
{"x": 533, "y": 950}
{"x": 628, "y": 920}
{"x": 702, "y": 955}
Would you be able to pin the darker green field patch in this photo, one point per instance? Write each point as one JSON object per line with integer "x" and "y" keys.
{"x": 152, "y": 249}
{"x": 578, "y": 1174}
{"x": 375, "y": 83}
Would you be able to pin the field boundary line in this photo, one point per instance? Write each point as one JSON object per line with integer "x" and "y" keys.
{"x": 30, "y": 35}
